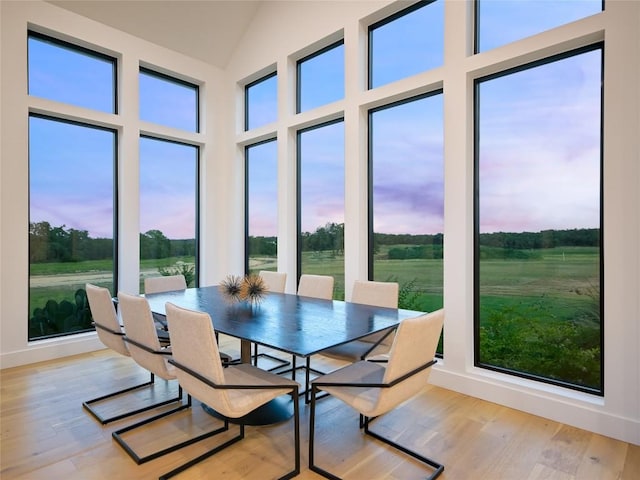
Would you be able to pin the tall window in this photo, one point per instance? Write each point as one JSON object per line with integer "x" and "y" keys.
{"x": 168, "y": 209}
{"x": 320, "y": 78}
{"x": 499, "y": 22}
{"x": 168, "y": 180}
{"x": 71, "y": 187}
{"x": 321, "y": 202}
{"x": 168, "y": 101}
{"x": 71, "y": 222}
{"x": 410, "y": 42}
{"x": 261, "y": 102}
{"x": 261, "y": 167}
{"x": 407, "y": 199}
{"x": 538, "y": 257}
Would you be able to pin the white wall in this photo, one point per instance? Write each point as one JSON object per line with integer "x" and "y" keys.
{"x": 130, "y": 52}
{"x": 282, "y": 32}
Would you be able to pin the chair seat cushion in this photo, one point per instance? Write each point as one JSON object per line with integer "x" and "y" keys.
{"x": 242, "y": 401}
{"x": 363, "y": 399}
{"x": 353, "y": 351}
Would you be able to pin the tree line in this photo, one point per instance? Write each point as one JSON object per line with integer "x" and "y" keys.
{"x": 62, "y": 244}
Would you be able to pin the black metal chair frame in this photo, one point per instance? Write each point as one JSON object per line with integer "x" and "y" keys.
{"x": 117, "y": 435}
{"x": 364, "y": 424}
{"x": 240, "y": 436}
{"x": 283, "y": 363}
{"x": 104, "y": 420}
{"x": 308, "y": 369}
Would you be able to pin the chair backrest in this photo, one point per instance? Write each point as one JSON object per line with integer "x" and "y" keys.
{"x": 378, "y": 294}
{"x": 275, "y": 281}
{"x": 104, "y": 315}
{"x": 193, "y": 344}
{"x": 139, "y": 327}
{"x": 316, "y": 286}
{"x": 165, "y": 283}
{"x": 414, "y": 345}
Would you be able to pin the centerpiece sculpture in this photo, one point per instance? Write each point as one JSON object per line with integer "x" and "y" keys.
{"x": 250, "y": 289}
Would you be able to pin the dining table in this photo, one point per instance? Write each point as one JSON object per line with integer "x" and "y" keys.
{"x": 297, "y": 325}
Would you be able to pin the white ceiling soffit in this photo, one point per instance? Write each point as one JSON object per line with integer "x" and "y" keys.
{"x": 208, "y": 30}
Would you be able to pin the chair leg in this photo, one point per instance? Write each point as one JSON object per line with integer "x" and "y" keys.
{"x": 117, "y": 435}
{"x": 205, "y": 455}
{"x": 281, "y": 361}
{"x": 88, "y": 405}
{"x": 364, "y": 421}
{"x": 439, "y": 468}
{"x": 240, "y": 436}
{"x": 307, "y": 370}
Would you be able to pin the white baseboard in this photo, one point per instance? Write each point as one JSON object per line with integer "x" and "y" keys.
{"x": 51, "y": 349}
{"x": 566, "y": 406}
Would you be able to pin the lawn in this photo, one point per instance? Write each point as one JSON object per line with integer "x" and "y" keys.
{"x": 538, "y": 309}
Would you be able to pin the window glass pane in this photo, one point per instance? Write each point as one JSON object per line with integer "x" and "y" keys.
{"x": 539, "y": 259}
{"x": 262, "y": 207}
{"x": 65, "y": 73}
{"x": 321, "y": 190}
{"x": 71, "y": 222}
{"x": 168, "y": 209}
{"x": 407, "y": 174}
{"x": 504, "y": 21}
{"x": 261, "y": 102}
{"x": 321, "y": 78}
{"x": 167, "y": 101}
{"x": 407, "y": 44}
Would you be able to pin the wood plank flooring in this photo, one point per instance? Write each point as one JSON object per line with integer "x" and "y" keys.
{"x": 46, "y": 434}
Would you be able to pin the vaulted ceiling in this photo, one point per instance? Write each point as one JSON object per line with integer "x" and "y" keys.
{"x": 208, "y": 30}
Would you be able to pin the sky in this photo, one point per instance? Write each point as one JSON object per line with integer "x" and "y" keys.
{"x": 538, "y": 154}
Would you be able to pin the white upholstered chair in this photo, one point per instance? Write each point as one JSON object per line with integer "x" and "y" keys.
{"x": 233, "y": 391}
{"x": 169, "y": 283}
{"x": 379, "y": 294}
{"x": 143, "y": 344}
{"x": 163, "y": 283}
{"x": 316, "y": 286}
{"x": 313, "y": 286}
{"x": 275, "y": 282}
{"x": 374, "y": 388}
{"x": 111, "y": 335}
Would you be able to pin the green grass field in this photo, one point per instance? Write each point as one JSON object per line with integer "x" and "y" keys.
{"x": 555, "y": 278}
{"x": 539, "y": 314}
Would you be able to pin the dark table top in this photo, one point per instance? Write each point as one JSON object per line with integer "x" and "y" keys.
{"x": 291, "y": 323}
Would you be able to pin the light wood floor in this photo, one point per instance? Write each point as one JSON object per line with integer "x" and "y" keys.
{"x": 46, "y": 434}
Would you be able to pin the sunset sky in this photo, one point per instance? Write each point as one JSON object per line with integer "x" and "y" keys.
{"x": 539, "y": 154}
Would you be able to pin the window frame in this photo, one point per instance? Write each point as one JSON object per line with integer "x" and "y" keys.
{"x": 246, "y": 200}
{"x": 196, "y": 279}
{"x": 370, "y": 209}
{"x": 476, "y": 27}
{"x": 476, "y": 220}
{"x": 380, "y": 23}
{"x": 246, "y": 96}
{"x": 80, "y": 49}
{"x": 299, "y": 63}
{"x": 299, "y": 241}
{"x": 115, "y": 220}
{"x": 178, "y": 81}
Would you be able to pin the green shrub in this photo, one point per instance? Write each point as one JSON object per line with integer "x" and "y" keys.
{"x": 63, "y": 317}
{"x": 180, "y": 268}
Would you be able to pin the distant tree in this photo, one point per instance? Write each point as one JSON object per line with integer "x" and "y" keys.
{"x": 327, "y": 237}
{"x": 153, "y": 245}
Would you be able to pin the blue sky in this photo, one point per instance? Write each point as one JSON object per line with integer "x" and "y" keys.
{"x": 539, "y": 137}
